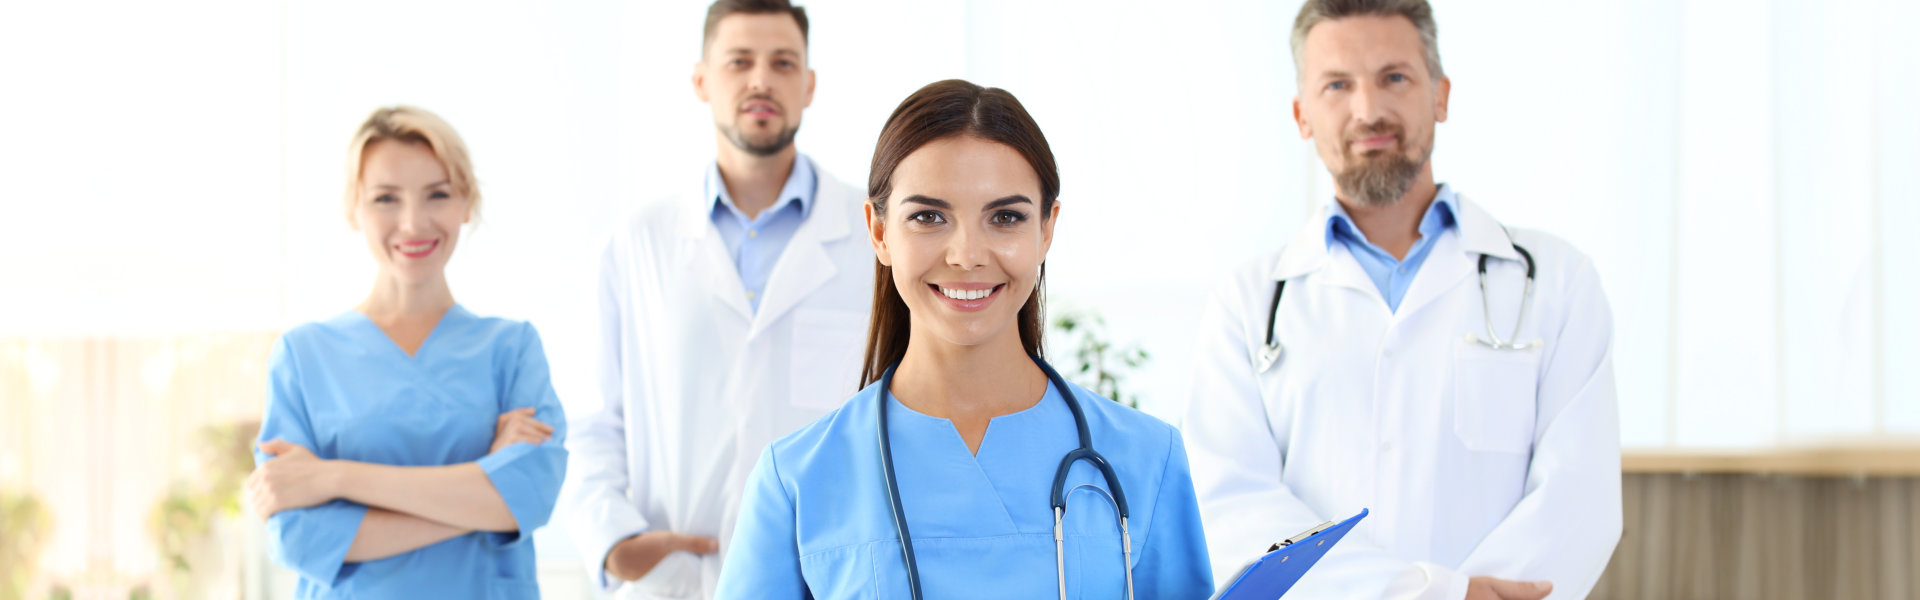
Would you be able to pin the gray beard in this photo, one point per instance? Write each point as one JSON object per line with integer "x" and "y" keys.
{"x": 1380, "y": 182}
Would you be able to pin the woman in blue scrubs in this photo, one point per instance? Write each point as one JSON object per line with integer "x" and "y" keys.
{"x": 410, "y": 447}
{"x": 962, "y": 208}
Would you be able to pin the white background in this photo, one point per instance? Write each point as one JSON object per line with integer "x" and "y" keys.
{"x": 1739, "y": 170}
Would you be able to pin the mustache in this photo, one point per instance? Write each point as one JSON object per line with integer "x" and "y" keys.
{"x": 759, "y": 98}
{"x": 1373, "y": 129}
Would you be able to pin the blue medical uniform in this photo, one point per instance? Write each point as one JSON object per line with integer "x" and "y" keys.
{"x": 344, "y": 390}
{"x": 815, "y": 521}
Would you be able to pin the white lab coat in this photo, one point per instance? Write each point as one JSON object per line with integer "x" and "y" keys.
{"x": 695, "y": 384}
{"x": 1474, "y": 461}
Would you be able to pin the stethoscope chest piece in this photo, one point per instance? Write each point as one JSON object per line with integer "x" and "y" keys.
{"x": 1266, "y": 356}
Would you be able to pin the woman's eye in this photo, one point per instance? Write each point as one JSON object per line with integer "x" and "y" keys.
{"x": 927, "y": 217}
{"x": 439, "y": 196}
{"x": 1008, "y": 217}
{"x": 384, "y": 198}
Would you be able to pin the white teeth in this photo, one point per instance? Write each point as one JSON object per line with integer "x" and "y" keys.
{"x": 966, "y": 294}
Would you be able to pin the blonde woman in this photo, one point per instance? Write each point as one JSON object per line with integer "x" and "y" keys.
{"x": 409, "y": 447}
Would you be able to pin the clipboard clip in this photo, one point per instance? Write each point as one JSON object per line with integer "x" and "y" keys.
{"x": 1302, "y": 536}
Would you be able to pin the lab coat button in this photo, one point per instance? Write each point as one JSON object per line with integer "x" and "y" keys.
{"x": 1386, "y": 446}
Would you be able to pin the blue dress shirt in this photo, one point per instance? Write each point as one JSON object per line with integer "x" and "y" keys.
{"x": 1391, "y": 276}
{"x": 755, "y": 243}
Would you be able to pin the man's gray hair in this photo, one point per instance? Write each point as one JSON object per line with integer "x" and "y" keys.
{"x": 1315, "y": 12}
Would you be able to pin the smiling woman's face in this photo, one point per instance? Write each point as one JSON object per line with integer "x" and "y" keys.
{"x": 964, "y": 237}
{"x": 408, "y": 210}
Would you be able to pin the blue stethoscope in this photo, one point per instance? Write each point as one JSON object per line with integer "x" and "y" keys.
{"x": 1084, "y": 452}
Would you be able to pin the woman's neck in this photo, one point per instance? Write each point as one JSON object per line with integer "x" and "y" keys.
{"x": 394, "y": 301}
{"x": 968, "y": 384}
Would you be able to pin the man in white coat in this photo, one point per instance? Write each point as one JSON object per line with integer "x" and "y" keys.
{"x": 731, "y": 315}
{"x": 1395, "y": 379}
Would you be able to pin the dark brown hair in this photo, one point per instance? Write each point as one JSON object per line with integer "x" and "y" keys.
{"x": 720, "y": 9}
{"x": 947, "y": 109}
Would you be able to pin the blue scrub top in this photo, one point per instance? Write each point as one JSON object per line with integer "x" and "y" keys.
{"x": 344, "y": 390}
{"x": 815, "y": 521}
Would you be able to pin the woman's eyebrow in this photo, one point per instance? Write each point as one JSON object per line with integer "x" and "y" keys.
{"x": 389, "y": 186}
{"x": 933, "y": 202}
{"x": 1009, "y": 200}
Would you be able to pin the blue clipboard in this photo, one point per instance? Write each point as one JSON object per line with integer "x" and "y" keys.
{"x": 1270, "y": 576}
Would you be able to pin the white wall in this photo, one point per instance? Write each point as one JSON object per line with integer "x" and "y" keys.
{"x": 1732, "y": 166}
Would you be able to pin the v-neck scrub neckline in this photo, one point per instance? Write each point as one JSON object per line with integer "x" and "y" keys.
{"x": 366, "y": 322}
{"x": 1039, "y": 410}
{"x": 816, "y": 516}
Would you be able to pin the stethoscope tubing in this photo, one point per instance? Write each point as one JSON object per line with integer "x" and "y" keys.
{"x": 1268, "y": 354}
{"x": 1058, "y": 496}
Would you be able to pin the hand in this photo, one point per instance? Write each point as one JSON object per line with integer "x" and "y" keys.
{"x": 293, "y": 478}
{"x": 1492, "y": 588}
{"x": 636, "y": 556}
{"x": 518, "y": 425}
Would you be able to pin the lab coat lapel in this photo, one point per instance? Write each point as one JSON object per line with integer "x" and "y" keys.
{"x": 1455, "y": 257}
{"x": 1446, "y": 266}
{"x": 804, "y": 265}
{"x": 1307, "y": 252}
{"x": 1480, "y": 233}
{"x": 700, "y": 245}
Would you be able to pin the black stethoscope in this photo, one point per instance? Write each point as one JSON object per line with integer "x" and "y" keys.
{"x": 1084, "y": 452}
{"x": 1267, "y": 355}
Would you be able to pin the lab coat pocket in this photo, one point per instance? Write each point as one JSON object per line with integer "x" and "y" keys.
{"x": 1494, "y": 397}
{"x": 824, "y": 368}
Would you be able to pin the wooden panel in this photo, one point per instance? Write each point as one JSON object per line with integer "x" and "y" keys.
{"x": 1765, "y": 536}
{"x": 1895, "y": 459}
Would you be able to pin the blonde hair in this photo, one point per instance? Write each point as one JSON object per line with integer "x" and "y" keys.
{"x": 413, "y": 125}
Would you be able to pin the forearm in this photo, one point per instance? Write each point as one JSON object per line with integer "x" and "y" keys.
{"x": 461, "y": 495}
{"x": 385, "y": 533}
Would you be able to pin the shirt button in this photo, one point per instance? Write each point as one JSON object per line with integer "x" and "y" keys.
{"x": 750, "y": 294}
{"x": 753, "y": 233}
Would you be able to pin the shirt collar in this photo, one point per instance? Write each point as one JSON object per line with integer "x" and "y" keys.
{"x": 798, "y": 189}
{"x": 1439, "y": 217}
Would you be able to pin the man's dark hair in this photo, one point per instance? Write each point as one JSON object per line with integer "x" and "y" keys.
{"x": 722, "y": 8}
